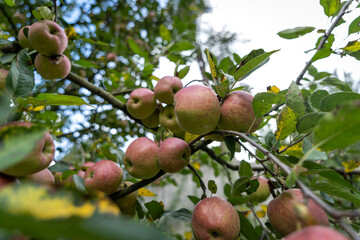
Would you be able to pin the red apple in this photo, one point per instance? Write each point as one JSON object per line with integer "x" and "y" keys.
{"x": 140, "y": 158}
{"x": 215, "y": 218}
{"x": 44, "y": 177}
{"x": 142, "y": 103}
{"x": 166, "y": 88}
{"x": 84, "y": 167}
{"x": 262, "y": 192}
{"x": 316, "y": 233}
{"x": 51, "y": 68}
{"x": 174, "y": 155}
{"x": 104, "y": 175}
{"x": 127, "y": 204}
{"x": 237, "y": 113}
{"x": 23, "y": 40}
{"x": 167, "y": 119}
{"x": 283, "y": 216}
{"x": 197, "y": 109}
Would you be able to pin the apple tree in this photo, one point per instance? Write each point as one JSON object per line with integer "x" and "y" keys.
{"x": 94, "y": 144}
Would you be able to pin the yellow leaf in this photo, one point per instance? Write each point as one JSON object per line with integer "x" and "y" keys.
{"x": 188, "y": 235}
{"x": 263, "y": 207}
{"x": 189, "y": 137}
{"x": 295, "y": 150}
{"x": 162, "y": 204}
{"x": 145, "y": 192}
{"x": 38, "y": 108}
{"x": 286, "y": 123}
{"x": 196, "y": 165}
{"x": 152, "y": 77}
{"x": 211, "y": 63}
{"x": 350, "y": 165}
{"x": 260, "y": 214}
{"x": 273, "y": 89}
{"x": 353, "y": 46}
{"x": 70, "y": 32}
{"x": 247, "y": 214}
{"x": 105, "y": 205}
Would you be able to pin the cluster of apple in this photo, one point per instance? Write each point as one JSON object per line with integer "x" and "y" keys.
{"x": 50, "y": 41}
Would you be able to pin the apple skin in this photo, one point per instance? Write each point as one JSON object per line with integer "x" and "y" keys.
{"x": 85, "y": 167}
{"x": 39, "y": 159}
{"x": 52, "y": 68}
{"x": 282, "y": 215}
{"x": 48, "y": 38}
{"x": 6, "y": 180}
{"x": 127, "y": 204}
{"x": 142, "y": 103}
{"x": 152, "y": 121}
{"x": 263, "y": 191}
{"x": 167, "y": 119}
{"x": 3, "y": 75}
{"x": 174, "y": 155}
{"x": 104, "y": 175}
{"x": 197, "y": 109}
{"x": 166, "y": 88}
{"x": 44, "y": 177}
{"x": 23, "y": 40}
{"x": 316, "y": 233}
{"x": 140, "y": 158}
{"x": 215, "y": 218}
{"x": 237, "y": 113}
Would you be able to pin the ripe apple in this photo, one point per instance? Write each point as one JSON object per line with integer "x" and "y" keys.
{"x": 84, "y": 167}
{"x": 44, "y": 177}
{"x": 283, "y": 216}
{"x": 48, "y": 38}
{"x": 167, "y": 119}
{"x": 316, "y": 233}
{"x": 215, "y": 218}
{"x": 262, "y": 193}
{"x": 197, "y": 109}
{"x": 127, "y": 204}
{"x": 23, "y": 40}
{"x": 112, "y": 57}
{"x": 142, "y": 103}
{"x": 3, "y": 75}
{"x": 6, "y": 180}
{"x": 152, "y": 121}
{"x": 174, "y": 155}
{"x": 39, "y": 159}
{"x": 166, "y": 88}
{"x": 237, "y": 113}
{"x": 140, "y": 158}
{"x": 52, "y": 67}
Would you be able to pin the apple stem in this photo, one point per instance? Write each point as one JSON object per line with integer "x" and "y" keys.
{"x": 202, "y": 184}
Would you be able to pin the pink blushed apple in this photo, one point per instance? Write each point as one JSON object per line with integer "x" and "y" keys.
{"x": 166, "y": 88}
{"x": 142, "y": 103}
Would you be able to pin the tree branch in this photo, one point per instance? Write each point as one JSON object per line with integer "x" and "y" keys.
{"x": 202, "y": 184}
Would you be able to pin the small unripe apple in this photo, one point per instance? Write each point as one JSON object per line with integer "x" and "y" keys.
{"x": 167, "y": 119}
{"x": 104, "y": 175}
{"x": 142, "y": 103}
{"x": 48, "y": 38}
{"x": 166, "y": 88}
{"x": 197, "y": 109}
{"x": 6, "y": 180}
{"x": 152, "y": 121}
{"x": 23, "y": 40}
{"x": 283, "y": 216}
{"x": 51, "y": 68}
{"x": 262, "y": 192}
{"x": 3, "y": 75}
{"x": 316, "y": 233}
{"x": 174, "y": 155}
{"x": 237, "y": 113}
{"x": 44, "y": 177}
{"x": 39, "y": 159}
{"x": 215, "y": 218}
{"x": 127, "y": 204}
{"x": 140, "y": 158}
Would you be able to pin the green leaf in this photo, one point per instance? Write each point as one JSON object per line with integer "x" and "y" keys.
{"x": 308, "y": 122}
{"x": 311, "y": 152}
{"x": 194, "y": 199}
{"x": 321, "y": 75}
{"x": 286, "y": 123}
{"x": 4, "y": 41}
{"x": 53, "y": 99}
{"x": 10, "y": 3}
{"x": 182, "y": 214}
{"x": 322, "y": 53}
{"x": 136, "y": 48}
{"x": 312, "y": 71}
{"x": 181, "y": 46}
{"x": 316, "y": 97}
{"x": 240, "y": 185}
{"x": 270, "y": 140}
{"x": 183, "y": 72}
{"x": 95, "y": 42}
{"x": 237, "y": 58}
{"x": 295, "y": 32}
{"x": 85, "y": 63}
{"x": 340, "y": 192}
{"x": 60, "y": 166}
{"x": 333, "y": 81}
{"x": 230, "y": 144}
{"x": 155, "y": 209}
{"x": 245, "y": 169}
{"x": 165, "y": 33}
{"x": 212, "y": 186}
{"x": 79, "y": 183}
{"x": 246, "y": 69}
{"x": 331, "y": 101}
{"x": 225, "y": 64}
{"x": 330, "y": 6}
{"x": 339, "y": 128}
{"x": 354, "y": 26}
{"x": 263, "y": 102}
{"x": 294, "y": 100}
{"x": 247, "y": 229}
{"x": 43, "y": 13}
{"x": 7, "y": 58}
{"x": 291, "y": 179}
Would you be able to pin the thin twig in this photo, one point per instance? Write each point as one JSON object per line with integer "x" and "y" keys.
{"x": 55, "y": 11}
{"x": 202, "y": 184}
{"x": 258, "y": 220}
{"x": 294, "y": 143}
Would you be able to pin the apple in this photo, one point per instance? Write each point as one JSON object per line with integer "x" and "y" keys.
{"x": 51, "y": 68}
{"x": 316, "y": 233}
{"x": 262, "y": 192}
{"x": 104, "y": 175}
{"x": 197, "y": 109}
{"x": 39, "y": 159}
{"x": 127, "y": 204}
{"x": 152, "y": 121}
{"x": 166, "y": 88}
{"x": 48, "y": 38}
{"x": 167, "y": 119}
{"x": 283, "y": 216}
{"x": 237, "y": 113}
{"x": 142, "y": 103}
{"x": 140, "y": 158}
{"x": 19, "y": 18}
{"x": 23, "y": 40}
{"x": 85, "y": 167}
{"x": 112, "y": 57}
{"x": 174, "y": 155}
{"x": 3, "y": 75}
{"x": 6, "y": 180}
{"x": 215, "y": 218}
{"x": 44, "y": 177}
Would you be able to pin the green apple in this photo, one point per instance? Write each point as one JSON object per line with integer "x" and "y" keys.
{"x": 197, "y": 109}
{"x": 283, "y": 216}
{"x": 174, "y": 155}
{"x": 152, "y": 121}
{"x": 215, "y": 218}
{"x": 44, "y": 177}
{"x": 23, "y": 40}
{"x": 39, "y": 159}
{"x": 167, "y": 119}
{"x": 142, "y": 103}
{"x": 48, "y": 38}
{"x": 127, "y": 204}
{"x": 166, "y": 88}
{"x": 51, "y": 68}
{"x": 237, "y": 113}
{"x": 316, "y": 233}
{"x": 262, "y": 192}
{"x": 140, "y": 158}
